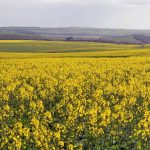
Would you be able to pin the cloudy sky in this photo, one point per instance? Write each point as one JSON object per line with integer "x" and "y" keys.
{"x": 78, "y": 13}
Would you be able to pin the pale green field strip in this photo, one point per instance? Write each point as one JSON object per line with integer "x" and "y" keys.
{"x": 48, "y": 49}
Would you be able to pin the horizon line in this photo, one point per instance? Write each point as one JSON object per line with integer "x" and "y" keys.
{"x": 109, "y": 28}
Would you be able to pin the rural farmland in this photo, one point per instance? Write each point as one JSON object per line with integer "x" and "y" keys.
{"x": 74, "y": 95}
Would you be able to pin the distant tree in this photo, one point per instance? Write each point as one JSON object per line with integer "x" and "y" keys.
{"x": 69, "y": 39}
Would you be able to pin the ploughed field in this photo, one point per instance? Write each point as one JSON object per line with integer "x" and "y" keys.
{"x": 76, "y": 100}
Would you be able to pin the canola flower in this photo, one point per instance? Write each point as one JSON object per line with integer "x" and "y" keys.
{"x": 75, "y": 103}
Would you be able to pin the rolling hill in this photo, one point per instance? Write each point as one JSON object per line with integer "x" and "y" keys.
{"x": 123, "y": 36}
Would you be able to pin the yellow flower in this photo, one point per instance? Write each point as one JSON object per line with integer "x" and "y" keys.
{"x": 70, "y": 147}
{"x": 61, "y": 143}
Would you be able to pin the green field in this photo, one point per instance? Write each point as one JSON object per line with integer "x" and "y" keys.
{"x": 11, "y": 49}
{"x": 59, "y": 46}
{"x": 44, "y": 49}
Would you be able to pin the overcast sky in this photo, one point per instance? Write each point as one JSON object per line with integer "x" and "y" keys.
{"x": 77, "y": 13}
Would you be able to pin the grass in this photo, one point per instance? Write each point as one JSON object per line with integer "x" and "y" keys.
{"x": 46, "y": 49}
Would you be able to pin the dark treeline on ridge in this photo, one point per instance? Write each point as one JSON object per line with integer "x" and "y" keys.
{"x": 119, "y": 36}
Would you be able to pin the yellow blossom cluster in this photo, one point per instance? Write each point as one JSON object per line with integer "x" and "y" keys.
{"x": 75, "y": 103}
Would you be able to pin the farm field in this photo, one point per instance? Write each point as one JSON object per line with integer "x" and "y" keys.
{"x": 98, "y": 98}
{"x": 16, "y": 49}
{"x": 64, "y": 46}
{"x": 60, "y": 46}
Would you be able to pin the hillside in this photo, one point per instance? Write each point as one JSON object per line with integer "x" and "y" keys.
{"x": 125, "y": 36}
{"x": 48, "y": 49}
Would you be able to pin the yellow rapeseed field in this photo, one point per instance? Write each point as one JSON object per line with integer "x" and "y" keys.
{"x": 75, "y": 104}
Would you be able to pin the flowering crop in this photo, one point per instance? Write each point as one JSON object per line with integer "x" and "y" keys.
{"x": 75, "y": 103}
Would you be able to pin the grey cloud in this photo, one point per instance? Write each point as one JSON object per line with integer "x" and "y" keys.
{"x": 137, "y": 2}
